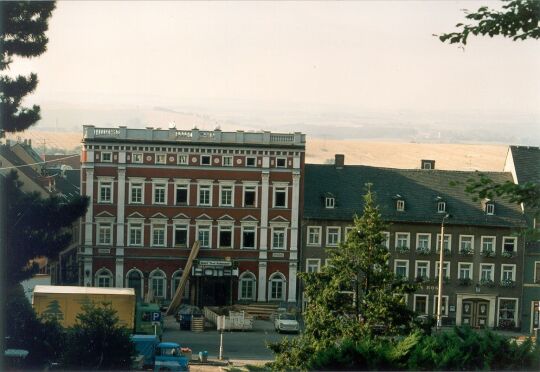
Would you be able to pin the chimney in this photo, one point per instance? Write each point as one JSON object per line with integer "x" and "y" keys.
{"x": 427, "y": 164}
{"x": 339, "y": 161}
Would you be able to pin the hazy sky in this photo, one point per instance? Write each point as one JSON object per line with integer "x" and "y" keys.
{"x": 361, "y": 55}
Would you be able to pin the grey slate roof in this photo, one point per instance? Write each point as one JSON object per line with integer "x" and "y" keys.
{"x": 526, "y": 163}
{"x": 418, "y": 188}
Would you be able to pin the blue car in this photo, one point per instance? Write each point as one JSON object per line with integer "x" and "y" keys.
{"x": 168, "y": 357}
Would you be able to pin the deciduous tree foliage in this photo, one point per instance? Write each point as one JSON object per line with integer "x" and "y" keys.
{"x": 37, "y": 227}
{"x": 22, "y": 33}
{"x": 518, "y": 19}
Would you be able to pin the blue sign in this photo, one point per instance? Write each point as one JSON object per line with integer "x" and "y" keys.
{"x": 156, "y": 316}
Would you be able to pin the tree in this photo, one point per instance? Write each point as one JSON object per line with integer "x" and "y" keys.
{"x": 38, "y": 227}
{"x": 98, "y": 341}
{"x": 518, "y": 20}
{"x": 22, "y": 33}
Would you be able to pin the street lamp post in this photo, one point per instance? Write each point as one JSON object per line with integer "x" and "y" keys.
{"x": 441, "y": 261}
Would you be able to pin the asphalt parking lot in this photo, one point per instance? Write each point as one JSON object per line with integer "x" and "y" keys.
{"x": 237, "y": 345}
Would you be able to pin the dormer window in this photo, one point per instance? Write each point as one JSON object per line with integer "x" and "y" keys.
{"x": 441, "y": 207}
{"x": 490, "y": 209}
{"x": 330, "y": 202}
{"x": 400, "y": 205}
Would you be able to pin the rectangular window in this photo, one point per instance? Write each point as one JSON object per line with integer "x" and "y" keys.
{"x": 421, "y": 304}
{"x": 137, "y": 158}
{"x": 422, "y": 269}
{"x": 490, "y": 209}
{"x": 225, "y": 236}
{"x": 280, "y": 197}
{"x": 281, "y": 162}
{"x": 444, "y": 305}
{"x": 401, "y": 268}
{"x": 247, "y": 289}
{"x": 508, "y": 273}
{"x": 182, "y": 159}
{"x": 486, "y": 272}
{"x": 136, "y": 193}
{"x": 314, "y": 235}
{"x": 161, "y": 158}
{"x": 329, "y": 202}
{"x": 402, "y": 240}
{"x": 157, "y": 287}
{"x": 206, "y": 159}
{"x": 446, "y": 242}
{"x": 508, "y": 312}
{"x": 181, "y": 194}
{"x": 227, "y": 161}
{"x": 446, "y": 269}
{"x": 248, "y": 237}
{"x": 465, "y": 270}
{"x": 250, "y": 193}
{"x": 423, "y": 242}
{"x": 488, "y": 243}
{"x": 180, "y": 235}
{"x": 105, "y": 191}
{"x": 226, "y": 196}
{"x": 333, "y": 236}
{"x": 278, "y": 238}
{"x": 386, "y": 241}
{"x": 204, "y": 235}
{"x": 135, "y": 234}
{"x": 466, "y": 244}
{"x": 106, "y": 157}
{"x": 104, "y": 234}
{"x": 400, "y": 205}
{"x": 250, "y": 161}
{"x": 160, "y": 193}
{"x": 158, "y": 235}
{"x": 313, "y": 265}
{"x": 509, "y": 244}
{"x": 205, "y": 195}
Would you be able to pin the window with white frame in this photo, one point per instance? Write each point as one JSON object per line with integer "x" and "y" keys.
{"x": 386, "y": 241}
{"x": 466, "y": 243}
{"x": 444, "y": 305}
{"x": 422, "y": 269}
{"x": 181, "y": 235}
{"x": 251, "y": 161}
{"x": 105, "y": 191}
{"x": 159, "y": 192}
{"x": 281, "y": 162}
{"x": 181, "y": 193}
{"x": 490, "y": 209}
{"x": 161, "y": 158}
{"x": 277, "y": 287}
{"x": 333, "y": 236}
{"x": 445, "y": 270}
{"x": 136, "y": 192}
{"x": 246, "y": 286}
{"x": 135, "y": 233}
{"x": 159, "y": 234}
{"x": 329, "y": 202}
{"x": 204, "y": 235}
{"x": 225, "y": 236}
{"x": 465, "y": 270}
{"x": 175, "y": 282}
{"x": 249, "y": 236}
{"x": 206, "y": 159}
{"x": 441, "y": 207}
{"x": 205, "y": 195}
{"x": 183, "y": 159}
{"x": 446, "y": 243}
{"x": 313, "y": 265}
{"x": 486, "y": 272}
{"x": 106, "y": 157}
{"x": 227, "y": 161}
{"x": 226, "y": 195}
{"x": 250, "y": 196}
{"x": 509, "y": 244}
{"x": 402, "y": 240}
{"x": 280, "y": 197}
{"x": 488, "y": 243}
{"x": 278, "y": 237}
{"x": 104, "y": 278}
{"x": 400, "y": 205}
{"x": 158, "y": 283}
{"x": 401, "y": 269}
{"x": 508, "y": 273}
{"x": 421, "y": 304}
{"x": 137, "y": 158}
{"x": 104, "y": 233}
{"x": 348, "y": 229}
{"x": 423, "y": 241}
{"x": 314, "y": 235}
{"x": 508, "y": 312}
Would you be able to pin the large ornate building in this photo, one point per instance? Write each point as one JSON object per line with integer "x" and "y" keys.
{"x": 154, "y": 192}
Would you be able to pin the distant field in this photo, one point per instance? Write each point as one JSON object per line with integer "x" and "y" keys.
{"x": 383, "y": 154}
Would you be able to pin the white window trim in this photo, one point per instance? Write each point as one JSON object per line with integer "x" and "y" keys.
{"x": 328, "y": 235}
{"x": 438, "y": 241}
{"x": 104, "y": 223}
{"x": 141, "y": 276}
{"x": 443, "y": 205}
{"x": 317, "y": 261}
{"x": 159, "y": 181}
{"x": 517, "y": 315}
{"x": 226, "y": 226}
{"x": 104, "y": 272}
{"x": 435, "y": 303}
{"x": 488, "y": 207}
{"x": 514, "y": 238}
{"x": 205, "y": 156}
{"x": 229, "y": 157}
{"x": 329, "y": 202}
{"x": 513, "y": 271}
{"x": 163, "y": 278}
{"x": 205, "y": 224}
{"x": 448, "y": 264}
{"x": 400, "y": 205}
{"x": 132, "y": 221}
{"x": 105, "y": 180}
{"x": 282, "y": 158}
{"x": 406, "y": 267}
{"x": 285, "y": 228}
{"x": 418, "y": 239}
{"x": 250, "y": 184}
{"x": 152, "y": 226}
{"x": 247, "y": 276}
{"x": 164, "y": 158}
{"x": 403, "y": 233}
{"x": 180, "y": 223}
{"x": 251, "y": 157}
{"x": 205, "y": 184}
{"x": 348, "y": 229}
{"x": 492, "y": 270}
{"x": 416, "y": 262}
{"x": 318, "y": 243}
{"x": 223, "y": 184}
{"x": 460, "y": 264}
{"x": 109, "y": 153}
{"x": 133, "y": 154}
{"x": 467, "y": 236}
{"x": 386, "y": 242}
{"x": 275, "y": 186}
{"x": 427, "y": 302}
{"x": 283, "y": 283}
{"x": 179, "y": 157}
{"x": 132, "y": 181}
{"x": 243, "y": 226}
{"x": 484, "y": 237}
{"x": 181, "y": 183}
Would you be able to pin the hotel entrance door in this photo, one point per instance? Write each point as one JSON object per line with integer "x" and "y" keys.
{"x": 475, "y": 313}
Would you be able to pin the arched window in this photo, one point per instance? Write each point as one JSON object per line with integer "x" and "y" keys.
{"x": 104, "y": 278}
{"x": 246, "y": 286}
{"x": 134, "y": 279}
{"x": 158, "y": 283}
{"x": 276, "y": 287}
{"x": 175, "y": 282}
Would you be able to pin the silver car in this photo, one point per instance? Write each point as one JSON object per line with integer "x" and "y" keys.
{"x": 286, "y": 323}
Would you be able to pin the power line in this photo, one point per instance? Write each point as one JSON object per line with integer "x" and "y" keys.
{"x": 41, "y": 162}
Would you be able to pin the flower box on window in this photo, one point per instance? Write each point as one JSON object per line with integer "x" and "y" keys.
{"x": 487, "y": 283}
{"x": 466, "y": 251}
{"x": 508, "y": 254}
{"x": 422, "y": 279}
{"x": 488, "y": 253}
{"x": 402, "y": 249}
{"x": 423, "y": 250}
{"x": 445, "y": 280}
{"x": 508, "y": 283}
{"x": 465, "y": 281}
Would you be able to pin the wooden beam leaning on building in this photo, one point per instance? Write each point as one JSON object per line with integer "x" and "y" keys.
{"x": 177, "y": 298}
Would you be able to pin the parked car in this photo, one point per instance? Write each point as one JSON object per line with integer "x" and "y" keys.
{"x": 285, "y": 322}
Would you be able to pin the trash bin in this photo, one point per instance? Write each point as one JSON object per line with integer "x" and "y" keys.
{"x": 185, "y": 321}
